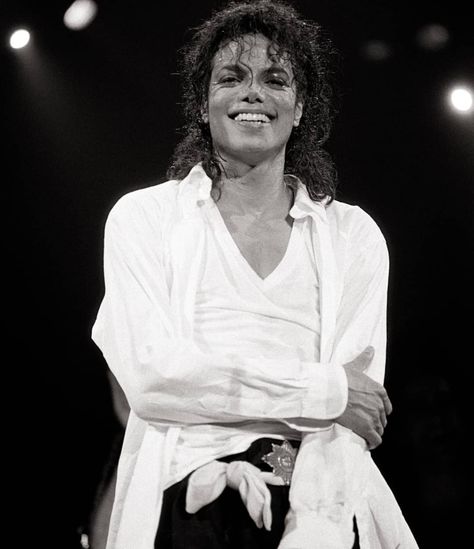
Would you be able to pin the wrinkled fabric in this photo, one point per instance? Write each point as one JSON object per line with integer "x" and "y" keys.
{"x": 224, "y": 523}
{"x": 330, "y": 470}
{"x": 239, "y": 313}
{"x": 208, "y": 482}
{"x": 155, "y": 242}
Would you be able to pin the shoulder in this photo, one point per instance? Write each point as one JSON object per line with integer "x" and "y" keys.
{"x": 149, "y": 205}
{"x": 354, "y": 224}
{"x": 154, "y": 198}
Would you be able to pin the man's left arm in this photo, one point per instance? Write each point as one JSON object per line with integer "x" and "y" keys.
{"x": 332, "y": 464}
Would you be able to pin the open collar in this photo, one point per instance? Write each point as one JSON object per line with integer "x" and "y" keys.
{"x": 197, "y": 185}
{"x": 304, "y": 206}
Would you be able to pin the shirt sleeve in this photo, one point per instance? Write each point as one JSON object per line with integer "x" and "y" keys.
{"x": 165, "y": 376}
{"x": 362, "y": 316}
{"x": 332, "y": 467}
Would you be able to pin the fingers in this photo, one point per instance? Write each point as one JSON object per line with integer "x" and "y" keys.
{"x": 375, "y": 440}
{"x": 387, "y": 404}
{"x": 374, "y": 436}
{"x": 384, "y": 410}
{"x": 378, "y": 426}
{"x": 383, "y": 422}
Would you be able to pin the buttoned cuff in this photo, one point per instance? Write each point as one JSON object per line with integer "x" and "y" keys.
{"x": 325, "y": 398}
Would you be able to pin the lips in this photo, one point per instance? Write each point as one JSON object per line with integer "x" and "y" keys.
{"x": 251, "y": 117}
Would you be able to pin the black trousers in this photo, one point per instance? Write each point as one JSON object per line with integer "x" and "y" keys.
{"x": 224, "y": 523}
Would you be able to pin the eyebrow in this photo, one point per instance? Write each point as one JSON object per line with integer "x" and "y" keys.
{"x": 231, "y": 67}
{"x": 237, "y": 68}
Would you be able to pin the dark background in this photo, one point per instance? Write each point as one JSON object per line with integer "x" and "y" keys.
{"x": 90, "y": 115}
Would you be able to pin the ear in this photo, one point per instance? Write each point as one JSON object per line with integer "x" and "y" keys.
{"x": 298, "y": 114}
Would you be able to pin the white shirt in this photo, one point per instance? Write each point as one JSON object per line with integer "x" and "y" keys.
{"x": 237, "y": 313}
{"x": 155, "y": 251}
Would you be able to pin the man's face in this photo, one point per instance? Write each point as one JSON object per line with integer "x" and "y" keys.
{"x": 251, "y": 106}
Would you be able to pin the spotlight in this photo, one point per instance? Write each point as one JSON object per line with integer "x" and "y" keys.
{"x": 19, "y": 39}
{"x": 432, "y": 37}
{"x": 80, "y": 14}
{"x": 461, "y": 100}
{"x": 376, "y": 50}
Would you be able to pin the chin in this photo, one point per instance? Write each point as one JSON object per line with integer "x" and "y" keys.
{"x": 250, "y": 147}
{"x": 249, "y": 155}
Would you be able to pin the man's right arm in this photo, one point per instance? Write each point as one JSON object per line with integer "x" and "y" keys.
{"x": 165, "y": 376}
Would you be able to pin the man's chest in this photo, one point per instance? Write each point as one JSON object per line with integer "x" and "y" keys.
{"x": 262, "y": 243}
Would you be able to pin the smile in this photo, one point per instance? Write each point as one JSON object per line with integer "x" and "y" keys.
{"x": 252, "y": 118}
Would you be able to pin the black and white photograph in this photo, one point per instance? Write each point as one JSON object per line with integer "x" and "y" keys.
{"x": 239, "y": 256}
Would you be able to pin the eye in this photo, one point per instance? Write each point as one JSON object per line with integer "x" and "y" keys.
{"x": 277, "y": 82}
{"x": 229, "y": 79}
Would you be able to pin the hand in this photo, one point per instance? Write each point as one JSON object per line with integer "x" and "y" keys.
{"x": 368, "y": 404}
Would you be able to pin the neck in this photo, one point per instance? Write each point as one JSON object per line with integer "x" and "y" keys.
{"x": 256, "y": 189}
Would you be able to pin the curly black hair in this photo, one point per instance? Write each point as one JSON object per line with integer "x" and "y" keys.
{"x": 313, "y": 60}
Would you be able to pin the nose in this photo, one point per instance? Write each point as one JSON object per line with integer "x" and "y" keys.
{"x": 253, "y": 93}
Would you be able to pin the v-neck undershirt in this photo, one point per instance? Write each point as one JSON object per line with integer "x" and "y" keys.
{"x": 239, "y": 312}
{"x": 227, "y": 239}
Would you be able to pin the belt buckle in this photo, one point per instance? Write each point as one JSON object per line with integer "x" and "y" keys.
{"x": 282, "y": 460}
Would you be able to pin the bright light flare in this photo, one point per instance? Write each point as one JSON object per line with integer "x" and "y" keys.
{"x": 461, "y": 100}
{"x": 19, "y": 39}
{"x": 80, "y": 14}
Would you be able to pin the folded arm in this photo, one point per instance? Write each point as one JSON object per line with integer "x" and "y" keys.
{"x": 331, "y": 470}
{"x": 167, "y": 377}
{"x": 361, "y": 325}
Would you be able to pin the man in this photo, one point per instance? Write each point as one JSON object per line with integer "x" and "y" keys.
{"x": 242, "y": 306}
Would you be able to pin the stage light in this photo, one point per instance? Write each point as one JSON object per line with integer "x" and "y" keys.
{"x": 376, "y": 50}
{"x": 432, "y": 37}
{"x": 19, "y": 39}
{"x": 461, "y": 100}
{"x": 80, "y": 14}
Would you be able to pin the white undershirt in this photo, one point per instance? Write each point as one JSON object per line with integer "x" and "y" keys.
{"x": 239, "y": 313}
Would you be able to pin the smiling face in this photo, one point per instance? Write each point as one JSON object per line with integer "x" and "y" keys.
{"x": 252, "y": 105}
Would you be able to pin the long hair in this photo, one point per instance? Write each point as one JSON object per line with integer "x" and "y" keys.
{"x": 313, "y": 59}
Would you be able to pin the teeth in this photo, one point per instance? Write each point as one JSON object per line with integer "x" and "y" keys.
{"x": 252, "y": 117}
